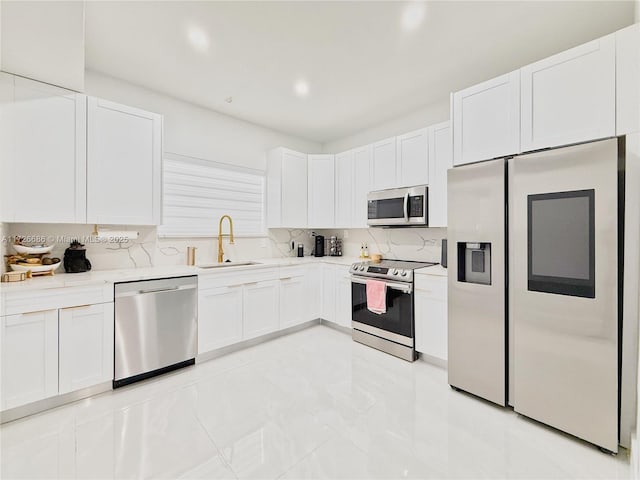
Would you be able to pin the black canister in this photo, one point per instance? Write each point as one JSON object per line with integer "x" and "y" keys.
{"x": 300, "y": 250}
{"x": 318, "y": 250}
{"x": 75, "y": 258}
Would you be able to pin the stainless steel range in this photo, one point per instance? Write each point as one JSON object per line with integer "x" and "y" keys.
{"x": 393, "y": 330}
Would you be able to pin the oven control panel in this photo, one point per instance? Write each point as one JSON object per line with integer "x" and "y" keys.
{"x": 368, "y": 270}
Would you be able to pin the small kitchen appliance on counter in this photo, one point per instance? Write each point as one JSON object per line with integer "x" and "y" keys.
{"x": 75, "y": 258}
{"x": 318, "y": 250}
{"x": 391, "y": 331}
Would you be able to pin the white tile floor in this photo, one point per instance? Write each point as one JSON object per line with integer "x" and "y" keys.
{"x": 310, "y": 405}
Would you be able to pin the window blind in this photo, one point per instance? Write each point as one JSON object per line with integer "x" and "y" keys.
{"x": 196, "y": 193}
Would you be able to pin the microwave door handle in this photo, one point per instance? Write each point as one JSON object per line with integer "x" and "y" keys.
{"x": 406, "y": 207}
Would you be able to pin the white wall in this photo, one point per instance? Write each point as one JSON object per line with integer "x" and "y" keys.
{"x": 44, "y": 41}
{"x": 196, "y": 131}
{"x": 423, "y": 117}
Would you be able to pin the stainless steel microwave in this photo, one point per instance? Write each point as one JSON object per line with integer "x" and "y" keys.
{"x": 399, "y": 207}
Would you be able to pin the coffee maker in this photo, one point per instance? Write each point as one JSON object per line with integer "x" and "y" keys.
{"x": 318, "y": 250}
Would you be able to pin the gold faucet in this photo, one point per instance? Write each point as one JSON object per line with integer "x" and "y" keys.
{"x": 220, "y": 235}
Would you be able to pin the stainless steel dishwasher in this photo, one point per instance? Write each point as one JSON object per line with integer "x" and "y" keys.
{"x": 156, "y": 327}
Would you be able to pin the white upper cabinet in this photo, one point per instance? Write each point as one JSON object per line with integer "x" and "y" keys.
{"x": 86, "y": 346}
{"x": 29, "y": 349}
{"x": 362, "y": 158}
{"x": 440, "y": 160}
{"x": 321, "y": 188}
{"x": 570, "y": 97}
{"x": 44, "y": 41}
{"x": 628, "y": 80}
{"x": 286, "y": 189}
{"x": 44, "y": 152}
{"x": 412, "y": 158}
{"x": 486, "y": 120}
{"x": 384, "y": 168}
{"x": 124, "y": 164}
{"x": 344, "y": 207}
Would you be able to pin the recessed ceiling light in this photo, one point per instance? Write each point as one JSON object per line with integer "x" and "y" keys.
{"x": 301, "y": 88}
{"x": 413, "y": 15}
{"x": 198, "y": 39}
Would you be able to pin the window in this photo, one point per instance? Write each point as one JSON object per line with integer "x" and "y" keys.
{"x": 196, "y": 193}
{"x": 561, "y": 243}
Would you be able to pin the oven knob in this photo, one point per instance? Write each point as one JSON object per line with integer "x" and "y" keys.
{"x": 362, "y": 268}
{"x": 404, "y": 274}
{"x": 394, "y": 271}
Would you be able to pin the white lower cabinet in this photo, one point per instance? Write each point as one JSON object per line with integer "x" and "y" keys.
{"x": 85, "y": 346}
{"x": 328, "y": 293}
{"x": 343, "y": 296}
{"x": 313, "y": 281}
{"x": 431, "y": 315}
{"x": 261, "y": 308}
{"x": 219, "y": 317}
{"x": 293, "y": 301}
{"x": 29, "y": 344}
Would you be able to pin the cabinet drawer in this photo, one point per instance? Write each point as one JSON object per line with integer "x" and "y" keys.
{"x": 289, "y": 272}
{"x": 54, "y": 298}
{"x": 432, "y": 287}
{"x": 224, "y": 279}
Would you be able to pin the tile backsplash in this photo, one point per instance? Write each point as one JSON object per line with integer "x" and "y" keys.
{"x": 421, "y": 244}
{"x": 149, "y": 250}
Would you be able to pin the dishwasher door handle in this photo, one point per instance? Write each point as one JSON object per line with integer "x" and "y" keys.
{"x": 155, "y": 290}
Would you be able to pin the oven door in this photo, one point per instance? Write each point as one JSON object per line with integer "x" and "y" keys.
{"x": 396, "y": 324}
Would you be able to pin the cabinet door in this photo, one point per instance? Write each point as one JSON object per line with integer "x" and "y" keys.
{"x": 628, "y": 80}
{"x": 293, "y": 301}
{"x": 343, "y": 296}
{"x": 6, "y": 147}
{"x": 219, "y": 317}
{"x": 86, "y": 346}
{"x": 486, "y": 120}
{"x": 29, "y": 357}
{"x": 440, "y": 160}
{"x": 362, "y": 158}
{"x": 344, "y": 190}
{"x": 431, "y": 316}
{"x": 328, "y": 293}
{"x": 313, "y": 280}
{"x": 570, "y": 97}
{"x": 384, "y": 164}
{"x": 47, "y": 154}
{"x": 294, "y": 189}
{"x": 412, "y": 157}
{"x": 261, "y": 309}
{"x": 124, "y": 164}
{"x": 321, "y": 183}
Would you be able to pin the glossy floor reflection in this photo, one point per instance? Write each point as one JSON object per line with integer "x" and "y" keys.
{"x": 309, "y": 405}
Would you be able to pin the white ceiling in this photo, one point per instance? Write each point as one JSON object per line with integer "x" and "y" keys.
{"x": 361, "y": 66}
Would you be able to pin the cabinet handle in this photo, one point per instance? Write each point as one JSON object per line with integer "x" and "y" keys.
{"x": 251, "y": 283}
{"x": 286, "y": 278}
{"x": 75, "y": 307}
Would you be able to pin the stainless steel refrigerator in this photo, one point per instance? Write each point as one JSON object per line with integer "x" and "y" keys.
{"x": 533, "y": 286}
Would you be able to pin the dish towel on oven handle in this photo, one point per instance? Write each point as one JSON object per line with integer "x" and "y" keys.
{"x": 377, "y": 296}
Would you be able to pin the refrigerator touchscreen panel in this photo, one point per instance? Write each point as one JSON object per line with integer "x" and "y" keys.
{"x": 561, "y": 250}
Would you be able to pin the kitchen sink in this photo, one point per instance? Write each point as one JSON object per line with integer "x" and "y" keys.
{"x": 228, "y": 264}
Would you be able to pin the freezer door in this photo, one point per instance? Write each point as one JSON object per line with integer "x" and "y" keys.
{"x": 563, "y": 289}
{"x": 476, "y": 290}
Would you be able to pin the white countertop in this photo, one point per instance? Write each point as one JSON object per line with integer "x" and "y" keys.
{"x": 100, "y": 277}
{"x": 437, "y": 270}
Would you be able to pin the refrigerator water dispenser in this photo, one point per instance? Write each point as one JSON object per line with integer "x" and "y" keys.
{"x": 474, "y": 262}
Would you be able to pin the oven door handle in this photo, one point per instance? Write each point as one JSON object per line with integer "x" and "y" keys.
{"x": 405, "y": 207}
{"x": 402, "y": 287}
